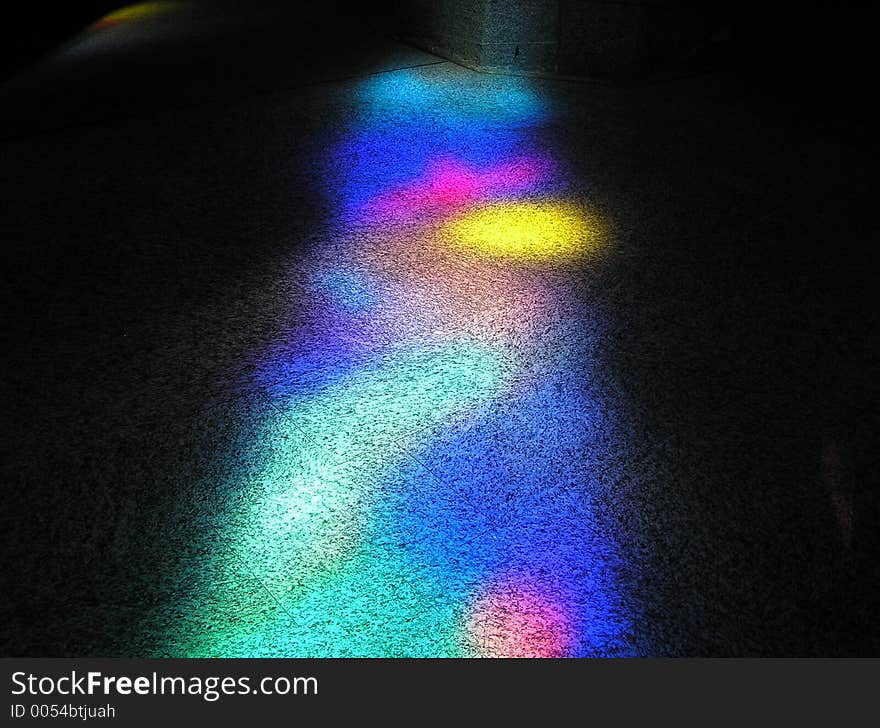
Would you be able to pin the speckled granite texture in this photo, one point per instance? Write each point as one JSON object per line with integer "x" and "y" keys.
{"x": 356, "y": 352}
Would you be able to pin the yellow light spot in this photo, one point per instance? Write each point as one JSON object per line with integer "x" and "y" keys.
{"x": 541, "y": 230}
{"x": 135, "y": 12}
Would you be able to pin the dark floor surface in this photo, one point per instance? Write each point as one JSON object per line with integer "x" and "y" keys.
{"x": 705, "y": 398}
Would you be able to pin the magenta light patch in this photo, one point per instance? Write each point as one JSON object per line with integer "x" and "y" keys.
{"x": 448, "y": 185}
{"x": 518, "y": 620}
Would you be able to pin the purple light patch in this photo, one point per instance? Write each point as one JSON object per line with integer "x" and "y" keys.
{"x": 449, "y": 184}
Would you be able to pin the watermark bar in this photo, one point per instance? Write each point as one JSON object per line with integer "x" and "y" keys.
{"x": 270, "y": 692}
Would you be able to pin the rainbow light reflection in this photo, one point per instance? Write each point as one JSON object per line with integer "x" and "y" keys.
{"x": 133, "y": 13}
{"x": 449, "y": 185}
{"x": 518, "y": 620}
{"x": 527, "y": 230}
{"x": 426, "y": 476}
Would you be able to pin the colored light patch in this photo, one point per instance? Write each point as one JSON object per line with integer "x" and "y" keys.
{"x": 427, "y": 483}
{"x": 349, "y": 289}
{"x": 421, "y": 91}
{"x": 298, "y": 521}
{"x": 406, "y": 88}
{"x": 518, "y": 620}
{"x": 519, "y": 488}
{"x": 527, "y": 230}
{"x": 437, "y": 112}
{"x": 399, "y": 395}
{"x": 449, "y": 184}
{"x": 134, "y": 12}
{"x": 374, "y": 161}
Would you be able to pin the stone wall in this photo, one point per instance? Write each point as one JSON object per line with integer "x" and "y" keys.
{"x": 587, "y": 38}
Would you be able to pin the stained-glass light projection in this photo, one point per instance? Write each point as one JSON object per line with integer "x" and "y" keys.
{"x": 131, "y": 13}
{"x": 519, "y": 620}
{"x": 527, "y": 229}
{"x": 425, "y": 476}
{"x": 448, "y": 185}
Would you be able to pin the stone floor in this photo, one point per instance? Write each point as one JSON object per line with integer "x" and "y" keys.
{"x": 335, "y": 348}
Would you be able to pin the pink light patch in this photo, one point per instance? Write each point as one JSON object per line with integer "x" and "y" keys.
{"x": 518, "y": 620}
{"x": 449, "y": 185}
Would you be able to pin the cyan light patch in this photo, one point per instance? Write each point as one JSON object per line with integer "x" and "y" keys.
{"x": 298, "y": 522}
{"x": 420, "y": 91}
{"x": 491, "y": 548}
{"x": 398, "y": 395}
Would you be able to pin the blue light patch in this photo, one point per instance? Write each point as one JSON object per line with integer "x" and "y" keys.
{"x": 348, "y": 289}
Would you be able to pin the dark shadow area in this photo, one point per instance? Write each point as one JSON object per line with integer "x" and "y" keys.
{"x": 752, "y": 341}
{"x": 188, "y": 54}
{"x": 31, "y": 32}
